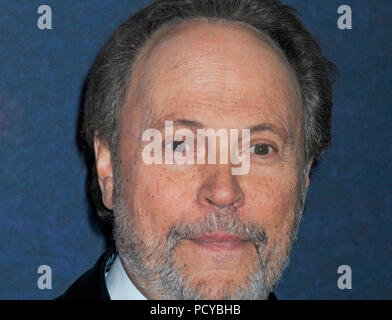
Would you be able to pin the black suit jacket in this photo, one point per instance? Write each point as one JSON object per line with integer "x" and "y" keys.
{"x": 92, "y": 286}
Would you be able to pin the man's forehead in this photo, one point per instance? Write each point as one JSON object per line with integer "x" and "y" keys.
{"x": 196, "y": 65}
{"x": 172, "y": 45}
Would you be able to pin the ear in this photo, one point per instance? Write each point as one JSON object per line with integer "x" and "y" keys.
{"x": 103, "y": 162}
{"x": 309, "y": 167}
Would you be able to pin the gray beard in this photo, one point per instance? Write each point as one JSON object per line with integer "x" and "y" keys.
{"x": 153, "y": 264}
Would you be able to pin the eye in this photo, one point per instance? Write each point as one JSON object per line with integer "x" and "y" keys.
{"x": 261, "y": 149}
{"x": 178, "y": 146}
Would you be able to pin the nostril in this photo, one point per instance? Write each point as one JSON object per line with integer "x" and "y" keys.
{"x": 210, "y": 202}
{"x": 223, "y": 203}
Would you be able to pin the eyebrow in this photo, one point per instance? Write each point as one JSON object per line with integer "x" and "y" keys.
{"x": 269, "y": 127}
{"x": 188, "y": 123}
{"x": 279, "y": 131}
{"x": 256, "y": 128}
{"x": 184, "y": 123}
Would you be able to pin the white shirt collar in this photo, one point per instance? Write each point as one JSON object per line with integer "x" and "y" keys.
{"x": 119, "y": 286}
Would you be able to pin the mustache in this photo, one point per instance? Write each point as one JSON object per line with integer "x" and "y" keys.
{"x": 220, "y": 220}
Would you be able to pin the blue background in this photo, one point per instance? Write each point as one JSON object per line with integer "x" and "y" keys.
{"x": 45, "y": 215}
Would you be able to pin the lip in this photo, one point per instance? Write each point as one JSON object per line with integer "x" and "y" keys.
{"x": 219, "y": 241}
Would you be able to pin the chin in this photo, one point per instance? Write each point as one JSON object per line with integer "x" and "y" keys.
{"x": 217, "y": 285}
{"x": 216, "y": 291}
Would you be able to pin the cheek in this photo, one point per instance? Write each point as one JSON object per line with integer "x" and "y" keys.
{"x": 160, "y": 199}
{"x": 271, "y": 200}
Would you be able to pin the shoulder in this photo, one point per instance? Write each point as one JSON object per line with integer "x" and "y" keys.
{"x": 272, "y": 296}
{"x": 91, "y": 285}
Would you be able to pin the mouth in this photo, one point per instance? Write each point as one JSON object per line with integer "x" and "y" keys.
{"x": 219, "y": 241}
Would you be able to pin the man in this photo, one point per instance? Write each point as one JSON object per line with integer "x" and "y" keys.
{"x": 196, "y": 230}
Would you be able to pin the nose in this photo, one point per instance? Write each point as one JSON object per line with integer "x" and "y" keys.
{"x": 220, "y": 188}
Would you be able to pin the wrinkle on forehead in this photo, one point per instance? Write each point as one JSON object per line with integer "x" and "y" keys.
{"x": 155, "y": 62}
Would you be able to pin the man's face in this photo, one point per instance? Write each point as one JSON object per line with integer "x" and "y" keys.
{"x": 218, "y": 234}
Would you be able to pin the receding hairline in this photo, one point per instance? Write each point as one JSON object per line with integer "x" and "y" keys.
{"x": 169, "y": 29}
